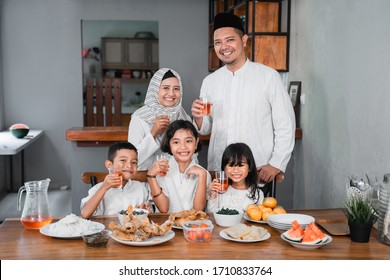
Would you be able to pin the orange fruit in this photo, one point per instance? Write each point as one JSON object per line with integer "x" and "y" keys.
{"x": 251, "y": 206}
{"x": 254, "y": 213}
{"x": 279, "y": 210}
{"x": 270, "y": 202}
{"x": 265, "y": 215}
{"x": 266, "y": 209}
{"x": 207, "y": 236}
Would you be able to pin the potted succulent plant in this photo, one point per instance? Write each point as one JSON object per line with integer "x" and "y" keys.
{"x": 361, "y": 216}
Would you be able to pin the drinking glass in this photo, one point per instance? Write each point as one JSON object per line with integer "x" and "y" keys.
{"x": 118, "y": 171}
{"x": 160, "y": 158}
{"x": 206, "y": 106}
{"x": 222, "y": 180}
{"x": 168, "y": 115}
{"x": 223, "y": 184}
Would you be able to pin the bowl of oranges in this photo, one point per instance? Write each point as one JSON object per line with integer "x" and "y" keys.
{"x": 260, "y": 213}
{"x": 198, "y": 231}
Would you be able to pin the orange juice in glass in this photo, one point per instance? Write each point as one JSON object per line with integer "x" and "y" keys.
{"x": 118, "y": 172}
{"x": 206, "y": 106}
{"x": 162, "y": 158}
{"x": 223, "y": 181}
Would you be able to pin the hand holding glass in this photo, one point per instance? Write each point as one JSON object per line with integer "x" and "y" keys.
{"x": 118, "y": 172}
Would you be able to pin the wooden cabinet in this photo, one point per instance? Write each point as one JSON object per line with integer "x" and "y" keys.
{"x": 141, "y": 53}
{"x": 129, "y": 53}
{"x": 268, "y": 27}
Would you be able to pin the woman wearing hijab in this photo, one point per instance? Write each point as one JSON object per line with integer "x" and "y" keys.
{"x": 162, "y": 106}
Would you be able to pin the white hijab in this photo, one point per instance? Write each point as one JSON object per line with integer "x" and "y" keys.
{"x": 152, "y": 106}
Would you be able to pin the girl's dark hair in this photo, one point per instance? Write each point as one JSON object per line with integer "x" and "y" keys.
{"x": 171, "y": 130}
{"x": 234, "y": 155}
{"x": 112, "y": 150}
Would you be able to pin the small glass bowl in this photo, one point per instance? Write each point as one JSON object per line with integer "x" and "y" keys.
{"x": 198, "y": 231}
{"x": 96, "y": 238}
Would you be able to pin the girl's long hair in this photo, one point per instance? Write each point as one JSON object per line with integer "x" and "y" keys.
{"x": 234, "y": 155}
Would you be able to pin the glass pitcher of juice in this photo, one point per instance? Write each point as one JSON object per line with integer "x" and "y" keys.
{"x": 36, "y": 212}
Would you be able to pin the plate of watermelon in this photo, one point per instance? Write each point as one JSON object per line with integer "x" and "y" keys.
{"x": 308, "y": 239}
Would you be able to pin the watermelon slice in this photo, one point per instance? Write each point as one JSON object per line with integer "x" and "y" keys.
{"x": 294, "y": 234}
{"x": 296, "y": 226}
{"x": 310, "y": 237}
{"x": 317, "y": 231}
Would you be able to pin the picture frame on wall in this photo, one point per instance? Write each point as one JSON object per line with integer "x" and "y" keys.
{"x": 294, "y": 91}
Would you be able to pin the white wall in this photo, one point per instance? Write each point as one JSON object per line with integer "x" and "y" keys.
{"x": 340, "y": 52}
{"x": 43, "y": 86}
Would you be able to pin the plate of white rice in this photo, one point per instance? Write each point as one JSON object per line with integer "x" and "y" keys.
{"x": 70, "y": 227}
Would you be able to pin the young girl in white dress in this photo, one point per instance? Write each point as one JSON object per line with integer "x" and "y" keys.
{"x": 179, "y": 183}
{"x": 240, "y": 168}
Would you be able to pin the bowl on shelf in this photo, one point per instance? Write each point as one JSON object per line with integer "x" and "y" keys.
{"x": 227, "y": 217}
{"x": 136, "y": 74}
{"x": 198, "y": 231}
{"x": 96, "y": 238}
{"x": 19, "y": 130}
{"x": 144, "y": 35}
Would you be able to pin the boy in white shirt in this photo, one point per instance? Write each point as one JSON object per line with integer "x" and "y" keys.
{"x": 117, "y": 192}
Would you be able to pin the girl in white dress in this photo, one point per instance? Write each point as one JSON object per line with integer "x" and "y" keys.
{"x": 179, "y": 183}
{"x": 240, "y": 167}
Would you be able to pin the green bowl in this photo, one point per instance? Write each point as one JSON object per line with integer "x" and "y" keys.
{"x": 20, "y": 132}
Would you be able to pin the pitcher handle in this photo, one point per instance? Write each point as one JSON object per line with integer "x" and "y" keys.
{"x": 21, "y": 190}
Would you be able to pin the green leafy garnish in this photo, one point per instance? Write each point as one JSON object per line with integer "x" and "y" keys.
{"x": 135, "y": 212}
{"x": 227, "y": 211}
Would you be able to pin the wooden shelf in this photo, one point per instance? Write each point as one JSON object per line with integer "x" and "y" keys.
{"x": 104, "y": 136}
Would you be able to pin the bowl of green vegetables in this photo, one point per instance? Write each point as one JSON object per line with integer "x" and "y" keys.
{"x": 227, "y": 217}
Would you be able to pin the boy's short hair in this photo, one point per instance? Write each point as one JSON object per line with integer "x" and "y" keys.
{"x": 171, "y": 130}
{"x": 119, "y": 146}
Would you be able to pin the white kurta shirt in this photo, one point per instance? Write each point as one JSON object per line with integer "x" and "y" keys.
{"x": 233, "y": 198}
{"x": 148, "y": 147}
{"x": 178, "y": 188}
{"x": 250, "y": 106}
{"x": 117, "y": 199}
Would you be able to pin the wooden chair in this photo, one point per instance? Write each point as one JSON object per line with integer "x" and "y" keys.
{"x": 103, "y": 102}
{"x": 93, "y": 178}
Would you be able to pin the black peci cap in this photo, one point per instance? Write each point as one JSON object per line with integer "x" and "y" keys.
{"x": 228, "y": 20}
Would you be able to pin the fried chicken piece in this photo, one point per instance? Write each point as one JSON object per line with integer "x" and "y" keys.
{"x": 187, "y": 215}
{"x": 165, "y": 227}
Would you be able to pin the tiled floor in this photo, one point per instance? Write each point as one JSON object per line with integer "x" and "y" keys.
{"x": 60, "y": 204}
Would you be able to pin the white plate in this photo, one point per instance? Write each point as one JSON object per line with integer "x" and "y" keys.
{"x": 224, "y": 235}
{"x": 46, "y": 231}
{"x": 155, "y": 240}
{"x": 286, "y": 219}
{"x": 254, "y": 221}
{"x": 304, "y": 246}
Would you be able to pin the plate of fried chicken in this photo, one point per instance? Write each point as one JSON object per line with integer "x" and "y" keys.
{"x": 141, "y": 232}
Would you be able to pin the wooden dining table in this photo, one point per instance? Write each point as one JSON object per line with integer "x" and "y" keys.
{"x": 18, "y": 243}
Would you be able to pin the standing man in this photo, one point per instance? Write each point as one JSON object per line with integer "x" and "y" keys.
{"x": 250, "y": 104}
